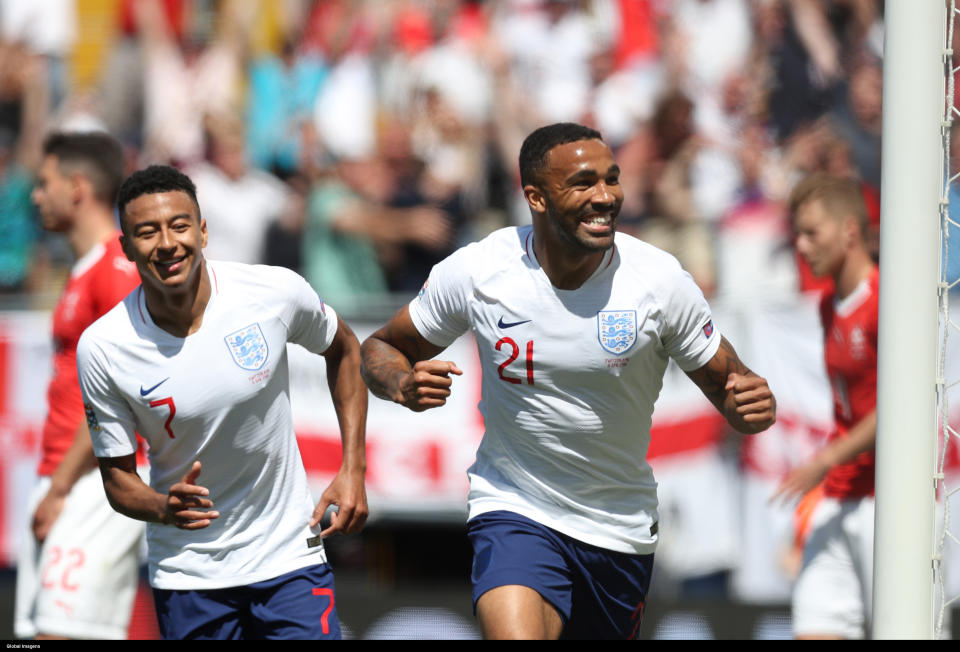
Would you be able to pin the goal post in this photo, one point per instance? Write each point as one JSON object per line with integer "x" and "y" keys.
{"x": 911, "y": 188}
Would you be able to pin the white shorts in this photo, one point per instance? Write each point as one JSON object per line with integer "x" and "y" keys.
{"x": 82, "y": 581}
{"x": 834, "y": 591}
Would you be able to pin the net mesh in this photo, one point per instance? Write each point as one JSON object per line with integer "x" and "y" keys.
{"x": 947, "y": 591}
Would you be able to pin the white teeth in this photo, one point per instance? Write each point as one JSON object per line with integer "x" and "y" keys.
{"x": 600, "y": 220}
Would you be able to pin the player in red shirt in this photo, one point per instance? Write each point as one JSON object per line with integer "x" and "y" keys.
{"x": 833, "y": 592}
{"x": 77, "y": 569}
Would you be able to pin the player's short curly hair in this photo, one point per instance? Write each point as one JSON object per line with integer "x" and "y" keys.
{"x": 95, "y": 155}
{"x": 533, "y": 152}
{"x": 151, "y": 180}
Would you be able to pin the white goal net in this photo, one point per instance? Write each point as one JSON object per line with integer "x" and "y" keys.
{"x": 947, "y": 553}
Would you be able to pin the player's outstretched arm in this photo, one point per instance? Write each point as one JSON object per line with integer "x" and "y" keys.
{"x": 186, "y": 505}
{"x": 741, "y": 396}
{"x": 397, "y": 366}
{"x": 349, "y": 395}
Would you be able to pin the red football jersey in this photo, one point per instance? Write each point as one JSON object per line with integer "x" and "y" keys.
{"x": 97, "y": 282}
{"x": 850, "y": 349}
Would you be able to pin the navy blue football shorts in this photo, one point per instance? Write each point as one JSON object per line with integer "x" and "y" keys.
{"x": 599, "y": 593}
{"x": 297, "y": 605}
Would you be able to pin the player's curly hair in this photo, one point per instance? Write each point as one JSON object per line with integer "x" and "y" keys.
{"x": 533, "y": 152}
{"x": 152, "y": 180}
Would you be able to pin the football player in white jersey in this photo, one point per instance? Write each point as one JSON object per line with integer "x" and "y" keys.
{"x": 574, "y": 326}
{"x": 195, "y": 361}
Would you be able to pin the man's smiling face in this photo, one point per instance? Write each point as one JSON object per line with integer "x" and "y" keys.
{"x": 164, "y": 236}
{"x": 582, "y": 194}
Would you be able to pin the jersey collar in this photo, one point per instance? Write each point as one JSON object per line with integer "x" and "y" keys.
{"x": 604, "y": 262}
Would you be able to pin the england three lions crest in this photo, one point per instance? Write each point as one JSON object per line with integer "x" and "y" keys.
{"x": 248, "y": 347}
{"x": 617, "y": 330}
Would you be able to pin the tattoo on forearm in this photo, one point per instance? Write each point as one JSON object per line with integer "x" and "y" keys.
{"x": 712, "y": 379}
{"x": 382, "y": 367}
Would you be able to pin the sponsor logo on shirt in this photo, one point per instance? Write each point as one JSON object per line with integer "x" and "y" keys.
{"x": 248, "y": 347}
{"x": 617, "y": 330}
{"x": 708, "y": 329}
{"x": 505, "y": 324}
{"x": 144, "y": 392}
{"x": 92, "y": 424}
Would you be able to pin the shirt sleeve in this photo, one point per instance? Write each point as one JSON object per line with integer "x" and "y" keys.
{"x": 109, "y": 419}
{"x": 439, "y": 311}
{"x": 689, "y": 334}
{"x": 311, "y": 323}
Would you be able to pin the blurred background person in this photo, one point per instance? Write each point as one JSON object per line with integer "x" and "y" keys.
{"x": 238, "y": 201}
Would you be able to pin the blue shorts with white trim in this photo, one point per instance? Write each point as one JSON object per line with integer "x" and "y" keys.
{"x": 599, "y": 593}
{"x": 298, "y": 605}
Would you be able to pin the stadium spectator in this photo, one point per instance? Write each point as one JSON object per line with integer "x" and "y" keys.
{"x": 77, "y": 572}
{"x": 283, "y": 242}
{"x": 557, "y": 550}
{"x": 238, "y": 201}
{"x": 412, "y": 188}
{"x": 185, "y": 80}
{"x": 706, "y": 44}
{"x": 24, "y": 96}
{"x": 672, "y": 219}
{"x": 48, "y": 29}
{"x": 364, "y": 220}
{"x": 833, "y": 593}
{"x": 280, "y": 98}
{"x": 857, "y": 119}
{"x": 345, "y": 113}
{"x": 209, "y": 338}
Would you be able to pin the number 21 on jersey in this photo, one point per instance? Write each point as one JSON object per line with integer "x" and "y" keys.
{"x": 514, "y": 354}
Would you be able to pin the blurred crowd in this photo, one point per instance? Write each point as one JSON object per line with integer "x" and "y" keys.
{"x": 360, "y": 141}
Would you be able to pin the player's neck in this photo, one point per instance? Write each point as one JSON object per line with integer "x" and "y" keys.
{"x": 179, "y": 311}
{"x": 856, "y": 268}
{"x": 566, "y": 269}
{"x": 91, "y": 228}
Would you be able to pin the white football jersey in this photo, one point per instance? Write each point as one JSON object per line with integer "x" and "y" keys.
{"x": 220, "y": 396}
{"x": 569, "y": 378}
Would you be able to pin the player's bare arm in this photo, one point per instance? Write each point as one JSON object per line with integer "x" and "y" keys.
{"x": 349, "y": 395}
{"x": 743, "y": 397}
{"x": 860, "y": 438}
{"x": 78, "y": 459}
{"x": 186, "y": 505}
{"x": 397, "y": 366}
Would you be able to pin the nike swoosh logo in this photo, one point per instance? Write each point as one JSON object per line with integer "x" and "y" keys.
{"x": 503, "y": 324}
{"x": 144, "y": 392}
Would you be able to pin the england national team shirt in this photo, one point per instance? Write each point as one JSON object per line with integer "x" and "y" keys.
{"x": 97, "y": 282}
{"x": 220, "y": 396}
{"x": 850, "y": 351}
{"x": 569, "y": 378}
